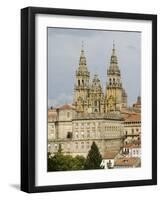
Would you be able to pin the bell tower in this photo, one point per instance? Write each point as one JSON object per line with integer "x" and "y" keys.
{"x": 81, "y": 90}
{"x": 114, "y": 91}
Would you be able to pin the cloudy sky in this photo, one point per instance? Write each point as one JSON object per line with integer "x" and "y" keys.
{"x": 64, "y": 47}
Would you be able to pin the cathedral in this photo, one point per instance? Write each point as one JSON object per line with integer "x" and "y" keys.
{"x": 97, "y": 116}
{"x": 89, "y": 96}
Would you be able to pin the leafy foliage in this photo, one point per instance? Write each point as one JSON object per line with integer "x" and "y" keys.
{"x": 60, "y": 162}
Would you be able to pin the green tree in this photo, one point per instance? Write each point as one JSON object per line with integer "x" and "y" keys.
{"x": 50, "y": 162}
{"x": 60, "y": 162}
{"x": 94, "y": 158}
{"x": 78, "y": 162}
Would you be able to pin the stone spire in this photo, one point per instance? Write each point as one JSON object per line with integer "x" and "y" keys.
{"x": 82, "y": 87}
{"x": 82, "y": 60}
{"x": 114, "y": 62}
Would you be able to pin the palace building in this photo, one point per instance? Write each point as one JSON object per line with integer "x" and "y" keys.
{"x": 95, "y": 116}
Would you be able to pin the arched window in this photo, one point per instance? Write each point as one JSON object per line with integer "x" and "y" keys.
{"x": 114, "y": 81}
{"x": 82, "y": 82}
{"x": 78, "y": 82}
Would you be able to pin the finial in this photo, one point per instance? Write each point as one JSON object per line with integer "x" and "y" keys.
{"x": 113, "y": 49}
{"x": 113, "y": 44}
{"x": 82, "y": 44}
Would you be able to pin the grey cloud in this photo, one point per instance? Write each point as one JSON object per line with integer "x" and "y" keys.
{"x": 63, "y": 57}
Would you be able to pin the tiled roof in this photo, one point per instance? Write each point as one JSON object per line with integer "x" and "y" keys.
{"x": 127, "y": 162}
{"x": 109, "y": 154}
{"x": 66, "y": 107}
{"x": 133, "y": 118}
{"x": 132, "y": 145}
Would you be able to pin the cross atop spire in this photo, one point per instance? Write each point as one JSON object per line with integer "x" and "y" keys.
{"x": 113, "y": 56}
{"x": 82, "y": 44}
{"x": 82, "y": 49}
{"x": 113, "y": 44}
{"x": 113, "y": 49}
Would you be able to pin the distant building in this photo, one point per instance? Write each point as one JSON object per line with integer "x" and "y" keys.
{"x": 127, "y": 163}
{"x": 132, "y": 150}
{"x": 109, "y": 159}
{"x": 132, "y": 128}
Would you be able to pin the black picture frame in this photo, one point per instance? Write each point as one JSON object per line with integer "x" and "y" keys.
{"x": 28, "y": 99}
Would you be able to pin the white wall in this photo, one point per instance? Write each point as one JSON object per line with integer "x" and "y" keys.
{"x": 10, "y": 98}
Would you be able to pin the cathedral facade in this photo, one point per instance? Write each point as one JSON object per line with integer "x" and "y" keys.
{"x": 89, "y": 96}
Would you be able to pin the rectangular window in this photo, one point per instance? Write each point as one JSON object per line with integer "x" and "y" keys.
{"x": 68, "y": 114}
